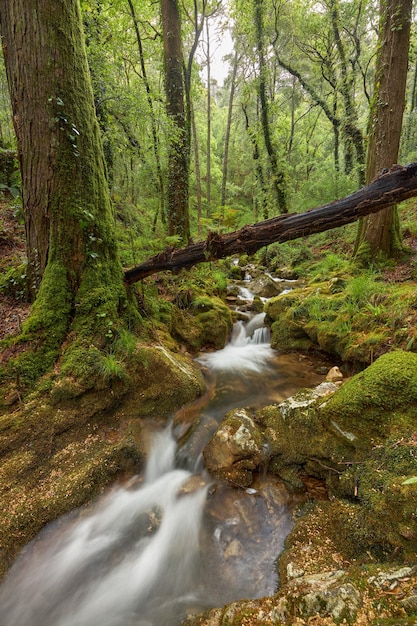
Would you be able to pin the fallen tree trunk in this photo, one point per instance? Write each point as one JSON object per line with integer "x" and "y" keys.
{"x": 391, "y": 187}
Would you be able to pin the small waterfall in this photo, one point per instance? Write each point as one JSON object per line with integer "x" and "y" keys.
{"x": 261, "y": 335}
{"x": 247, "y": 351}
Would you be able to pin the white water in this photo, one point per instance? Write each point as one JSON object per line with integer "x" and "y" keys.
{"x": 247, "y": 351}
{"x": 84, "y": 576}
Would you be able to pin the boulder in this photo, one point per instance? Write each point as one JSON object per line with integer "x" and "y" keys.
{"x": 206, "y": 323}
{"x": 235, "y": 450}
{"x": 265, "y": 286}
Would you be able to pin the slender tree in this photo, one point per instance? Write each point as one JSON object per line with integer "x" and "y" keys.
{"x": 228, "y": 127}
{"x": 277, "y": 175}
{"x": 208, "y": 169}
{"x": 380, "y": 233}
{"x": 146, "y": 82}
{"x": 178, "y": 151}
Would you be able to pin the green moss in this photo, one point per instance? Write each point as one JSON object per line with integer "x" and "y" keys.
{"x": 14, "y": 283}
{"x": 358, "y": 321}
{"x": 388, "y": 507}
{"x": 80, "y": 361}
{"x": 38, "y": 346}
{"x": 369, "y": 403}
{"x": 207, "y": 323}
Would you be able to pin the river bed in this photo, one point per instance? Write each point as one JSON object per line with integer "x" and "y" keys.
{"x": 173, "y": 540}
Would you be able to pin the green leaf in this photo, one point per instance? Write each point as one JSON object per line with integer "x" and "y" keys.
{"x": 410, "y": 481}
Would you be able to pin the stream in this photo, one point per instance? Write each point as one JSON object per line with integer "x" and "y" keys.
{"x": 172, "y": 541}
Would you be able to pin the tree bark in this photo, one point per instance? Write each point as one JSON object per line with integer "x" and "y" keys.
{"x": 199, "y": 191}
{"x": 380, "y": 233}
{"x": 278, "y": 178}
{"x": 208, "y": 138}
{"x": 72, "y": 251}
{"x": 228, "y": 129}
{"x": 178, "y": 151}
{"x": 395, "y": 185}
{"x": 260, "y": 187}
{"x": 353, "y": 135}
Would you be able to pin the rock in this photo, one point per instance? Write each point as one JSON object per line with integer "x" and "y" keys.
{"x": 334, "y": 375}
{"x": 322, "y": 594}
{"x": 306, "y": 398}
{"x": 235, "y": 450}
{"x": 191, "y": 485}
{"x": 410, "y": 603}
{"x": 287, "y": 273}
{"x": 207, "y": 322}
{"x": 340, "y": 602}
{"x": 364, "y": 405}
{"x": 299, "y": 443}
{"x": 294, "y": 572}
{"x": 386, "y": 580}
{"x": 234, "y": 548}
{"x": 266, "y": 287}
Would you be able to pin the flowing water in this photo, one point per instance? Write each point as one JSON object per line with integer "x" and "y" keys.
{"x": 172, "y": 541}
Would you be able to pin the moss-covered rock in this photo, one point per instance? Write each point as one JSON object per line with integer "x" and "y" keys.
{"x": 357, "y": 318}
{"x": 360, "y": 441}
{"x": 377, "y": 402}
{"x": 299, "y": 441}
{"x": 206, "y": 323}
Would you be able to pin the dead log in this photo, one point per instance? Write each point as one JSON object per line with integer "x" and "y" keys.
{"x": 390, "y": 187}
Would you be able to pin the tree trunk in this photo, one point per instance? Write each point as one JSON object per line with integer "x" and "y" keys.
{"x": 260, "y": 187}
{"x": 208, "y": 171}
{"x": 155, "y": 140}
{"x": 380, "y": 233}
{"x": 228, "y": 128}
{"x": 197, "y": 172}
{"x": 398, "y": 184}
{"x": 278, "y": 178}
{"x": 72, "y": 253}
{"x": 353, "y": 135}
{"x": 178, "y": 151}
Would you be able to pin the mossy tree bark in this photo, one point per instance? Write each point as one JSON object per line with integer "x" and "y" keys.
{"x": 178, "y": 151}
{"x": 380, "y": 234}
{"x": 277, "y": 175}
{"x": 72, "y": 254}
{"x": 353, "y": 135}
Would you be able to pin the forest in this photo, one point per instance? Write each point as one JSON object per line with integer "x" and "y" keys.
{"x": 173, "y": 175}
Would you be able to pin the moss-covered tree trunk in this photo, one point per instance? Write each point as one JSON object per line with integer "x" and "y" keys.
{"x": 380, "y": 233}
{"x": 277, "y": 175}
{"x": 73, "y": 264}
{"x": 178, "y": 151}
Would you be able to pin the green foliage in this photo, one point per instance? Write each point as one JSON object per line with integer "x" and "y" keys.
{"x": 110, "y": 368}
{"x": 286, "y": 254}
{"x": 14, "y": 283}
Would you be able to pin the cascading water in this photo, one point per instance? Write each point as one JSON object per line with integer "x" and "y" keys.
{"x": 132, "y": 560}
{"x": 247, "y": 350}
{"x": 150, "y": 552}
